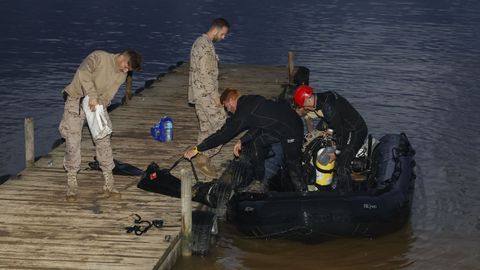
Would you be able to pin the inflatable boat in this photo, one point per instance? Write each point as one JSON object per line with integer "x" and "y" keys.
{"x": 377, "y": 204}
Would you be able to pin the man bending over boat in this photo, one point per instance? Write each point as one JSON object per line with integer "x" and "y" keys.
{"x": 268, "y": 122}
{"x": 349, "y": 127}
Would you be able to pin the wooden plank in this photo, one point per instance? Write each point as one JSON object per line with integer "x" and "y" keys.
{"x": 40, "y": 230}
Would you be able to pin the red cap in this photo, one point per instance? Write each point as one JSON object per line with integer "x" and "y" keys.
{"x": 301, "y": 93}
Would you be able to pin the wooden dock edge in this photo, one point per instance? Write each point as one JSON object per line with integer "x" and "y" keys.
{"x": 170, "y": 256}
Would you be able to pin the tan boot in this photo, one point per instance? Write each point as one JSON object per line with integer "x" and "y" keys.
{"x": 109, "y": 191}
{"x": 71, "y": 187}
{"x": 205, "y": 166}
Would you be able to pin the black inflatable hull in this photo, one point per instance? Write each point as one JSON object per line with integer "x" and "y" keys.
{"x": 318, "y": 215}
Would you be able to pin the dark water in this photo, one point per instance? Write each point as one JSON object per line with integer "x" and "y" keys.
{"x": 409, "y": 66}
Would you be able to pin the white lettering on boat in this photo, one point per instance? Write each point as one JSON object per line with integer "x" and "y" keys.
{"x": 369, "y": 206}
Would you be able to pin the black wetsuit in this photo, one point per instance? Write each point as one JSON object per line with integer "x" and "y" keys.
{"x": 349, "y": 127}
{"x": 267, "y": 122}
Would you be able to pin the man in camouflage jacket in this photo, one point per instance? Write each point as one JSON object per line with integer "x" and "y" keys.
{"x": 99, "y": 76}
{"x": 203, "y": 90}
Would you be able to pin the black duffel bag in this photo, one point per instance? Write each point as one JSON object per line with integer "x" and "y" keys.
{"x": 161, "y": 181}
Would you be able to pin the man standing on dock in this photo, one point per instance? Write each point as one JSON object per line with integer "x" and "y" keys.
{"x": 98, "y": 77}
{"x": 203, "y": 90}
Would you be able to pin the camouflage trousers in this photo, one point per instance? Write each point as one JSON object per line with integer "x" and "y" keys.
{"x": 71, "y": 128}
{"x": 211, "y": 117}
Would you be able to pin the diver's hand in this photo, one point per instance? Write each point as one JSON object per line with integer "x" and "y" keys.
{"x": 237, "y": 148}
{"x": 332, "y": 156}
{"x": 189, "y": 154}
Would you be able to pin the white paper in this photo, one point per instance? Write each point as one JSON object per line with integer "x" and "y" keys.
{"x": 96, "y": 120}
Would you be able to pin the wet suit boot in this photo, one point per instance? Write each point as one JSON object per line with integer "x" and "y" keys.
{"x": 204, "y": 164}
{"x": 109, "y": 191}
{"x": 72, "y": 187}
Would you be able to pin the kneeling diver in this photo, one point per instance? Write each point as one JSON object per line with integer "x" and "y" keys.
{"x": 349, "y": 126}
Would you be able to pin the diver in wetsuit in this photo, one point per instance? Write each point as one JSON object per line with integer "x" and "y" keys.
{"x": 349, "y": 126}
{"x": 267, "y": 122}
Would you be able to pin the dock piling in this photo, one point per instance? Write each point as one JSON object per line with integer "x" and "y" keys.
{"x": 290, "y": 67}
{"x": 186, "y": 195}
{"x": 29, "y": 142}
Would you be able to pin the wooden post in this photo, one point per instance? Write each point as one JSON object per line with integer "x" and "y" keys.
{"x": 29, "y": 142}
{"x": 128, "y": 87}
{"x": 290, "y": 68}
{"x": 186, "y": 195}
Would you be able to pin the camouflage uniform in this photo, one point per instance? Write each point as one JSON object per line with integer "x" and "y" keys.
{"x": 98, "y": 77}
{"x": 203, "y": 89}
{"x": 71, "y": 130}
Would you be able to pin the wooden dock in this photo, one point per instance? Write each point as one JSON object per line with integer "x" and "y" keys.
{"x": 40, "y": 230}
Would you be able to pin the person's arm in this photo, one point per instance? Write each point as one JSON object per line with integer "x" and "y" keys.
{"x": 230, "y": 129}
{"x": 338, "y": 126}
{"x": 308, "y": 121}
{"x": 237, "y": 148}
{"x": 249, "y": 136}
{"x": 85, "y": 74}
{"x": 332, "y": 112}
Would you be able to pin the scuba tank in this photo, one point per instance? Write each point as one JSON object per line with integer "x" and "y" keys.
{"x": 324, "y": 168}
{"x": 316, "y": 150}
